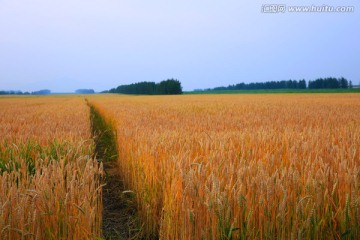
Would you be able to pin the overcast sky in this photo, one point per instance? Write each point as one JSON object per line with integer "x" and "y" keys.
{"x": 64, "y": 45}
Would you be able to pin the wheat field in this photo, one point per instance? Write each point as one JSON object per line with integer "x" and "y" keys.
{"x": 277, "y": 166}
{"x": 50, "y": 186}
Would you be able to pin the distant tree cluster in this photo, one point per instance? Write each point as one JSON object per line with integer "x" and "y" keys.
{"x": 330, "y": 83}
{"x": 166, "y": 87}
{"x": 291, "y": 84}
{"x": 11, "y": 92}
{"x": 42, "y": 92}
{"x": 85, "y": 91}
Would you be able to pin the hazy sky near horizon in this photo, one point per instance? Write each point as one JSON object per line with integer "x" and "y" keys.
{"x": 63, "y": 45}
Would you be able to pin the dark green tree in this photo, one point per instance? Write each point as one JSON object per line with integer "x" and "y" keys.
{"x": 170, "y": 86}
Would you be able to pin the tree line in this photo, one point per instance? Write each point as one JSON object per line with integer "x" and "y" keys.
{"x": 12, "y": 92}
{"x": 85, "y": 91}
{"x": 330, "y": 83}
{"x": 291, "y": 84}
{"x": 166, "y": 87}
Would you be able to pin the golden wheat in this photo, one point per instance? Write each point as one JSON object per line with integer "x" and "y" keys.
{"x": 49, "y": 183}
{"x": 280, "y": 166}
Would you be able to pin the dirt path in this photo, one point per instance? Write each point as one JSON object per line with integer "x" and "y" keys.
{"x": 120, "y": 219}
{"x": 119, "y": 209}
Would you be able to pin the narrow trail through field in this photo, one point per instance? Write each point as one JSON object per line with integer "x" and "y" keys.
{"x": 120, "y": 219}
{"x": 119, "y": 211}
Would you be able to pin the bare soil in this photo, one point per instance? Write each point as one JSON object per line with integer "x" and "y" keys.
{"x": 119, "y": 211}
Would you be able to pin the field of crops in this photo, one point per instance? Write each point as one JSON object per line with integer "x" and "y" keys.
{"x": 49, "y": 183}
{"x": 264, "y": 166}
{"x": 281, "y": 166}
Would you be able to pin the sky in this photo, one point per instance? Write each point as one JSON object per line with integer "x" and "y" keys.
{"x": 64, "y": 45}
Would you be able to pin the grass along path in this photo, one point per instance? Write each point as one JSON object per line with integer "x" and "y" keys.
{"x": 120, "y": 219}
